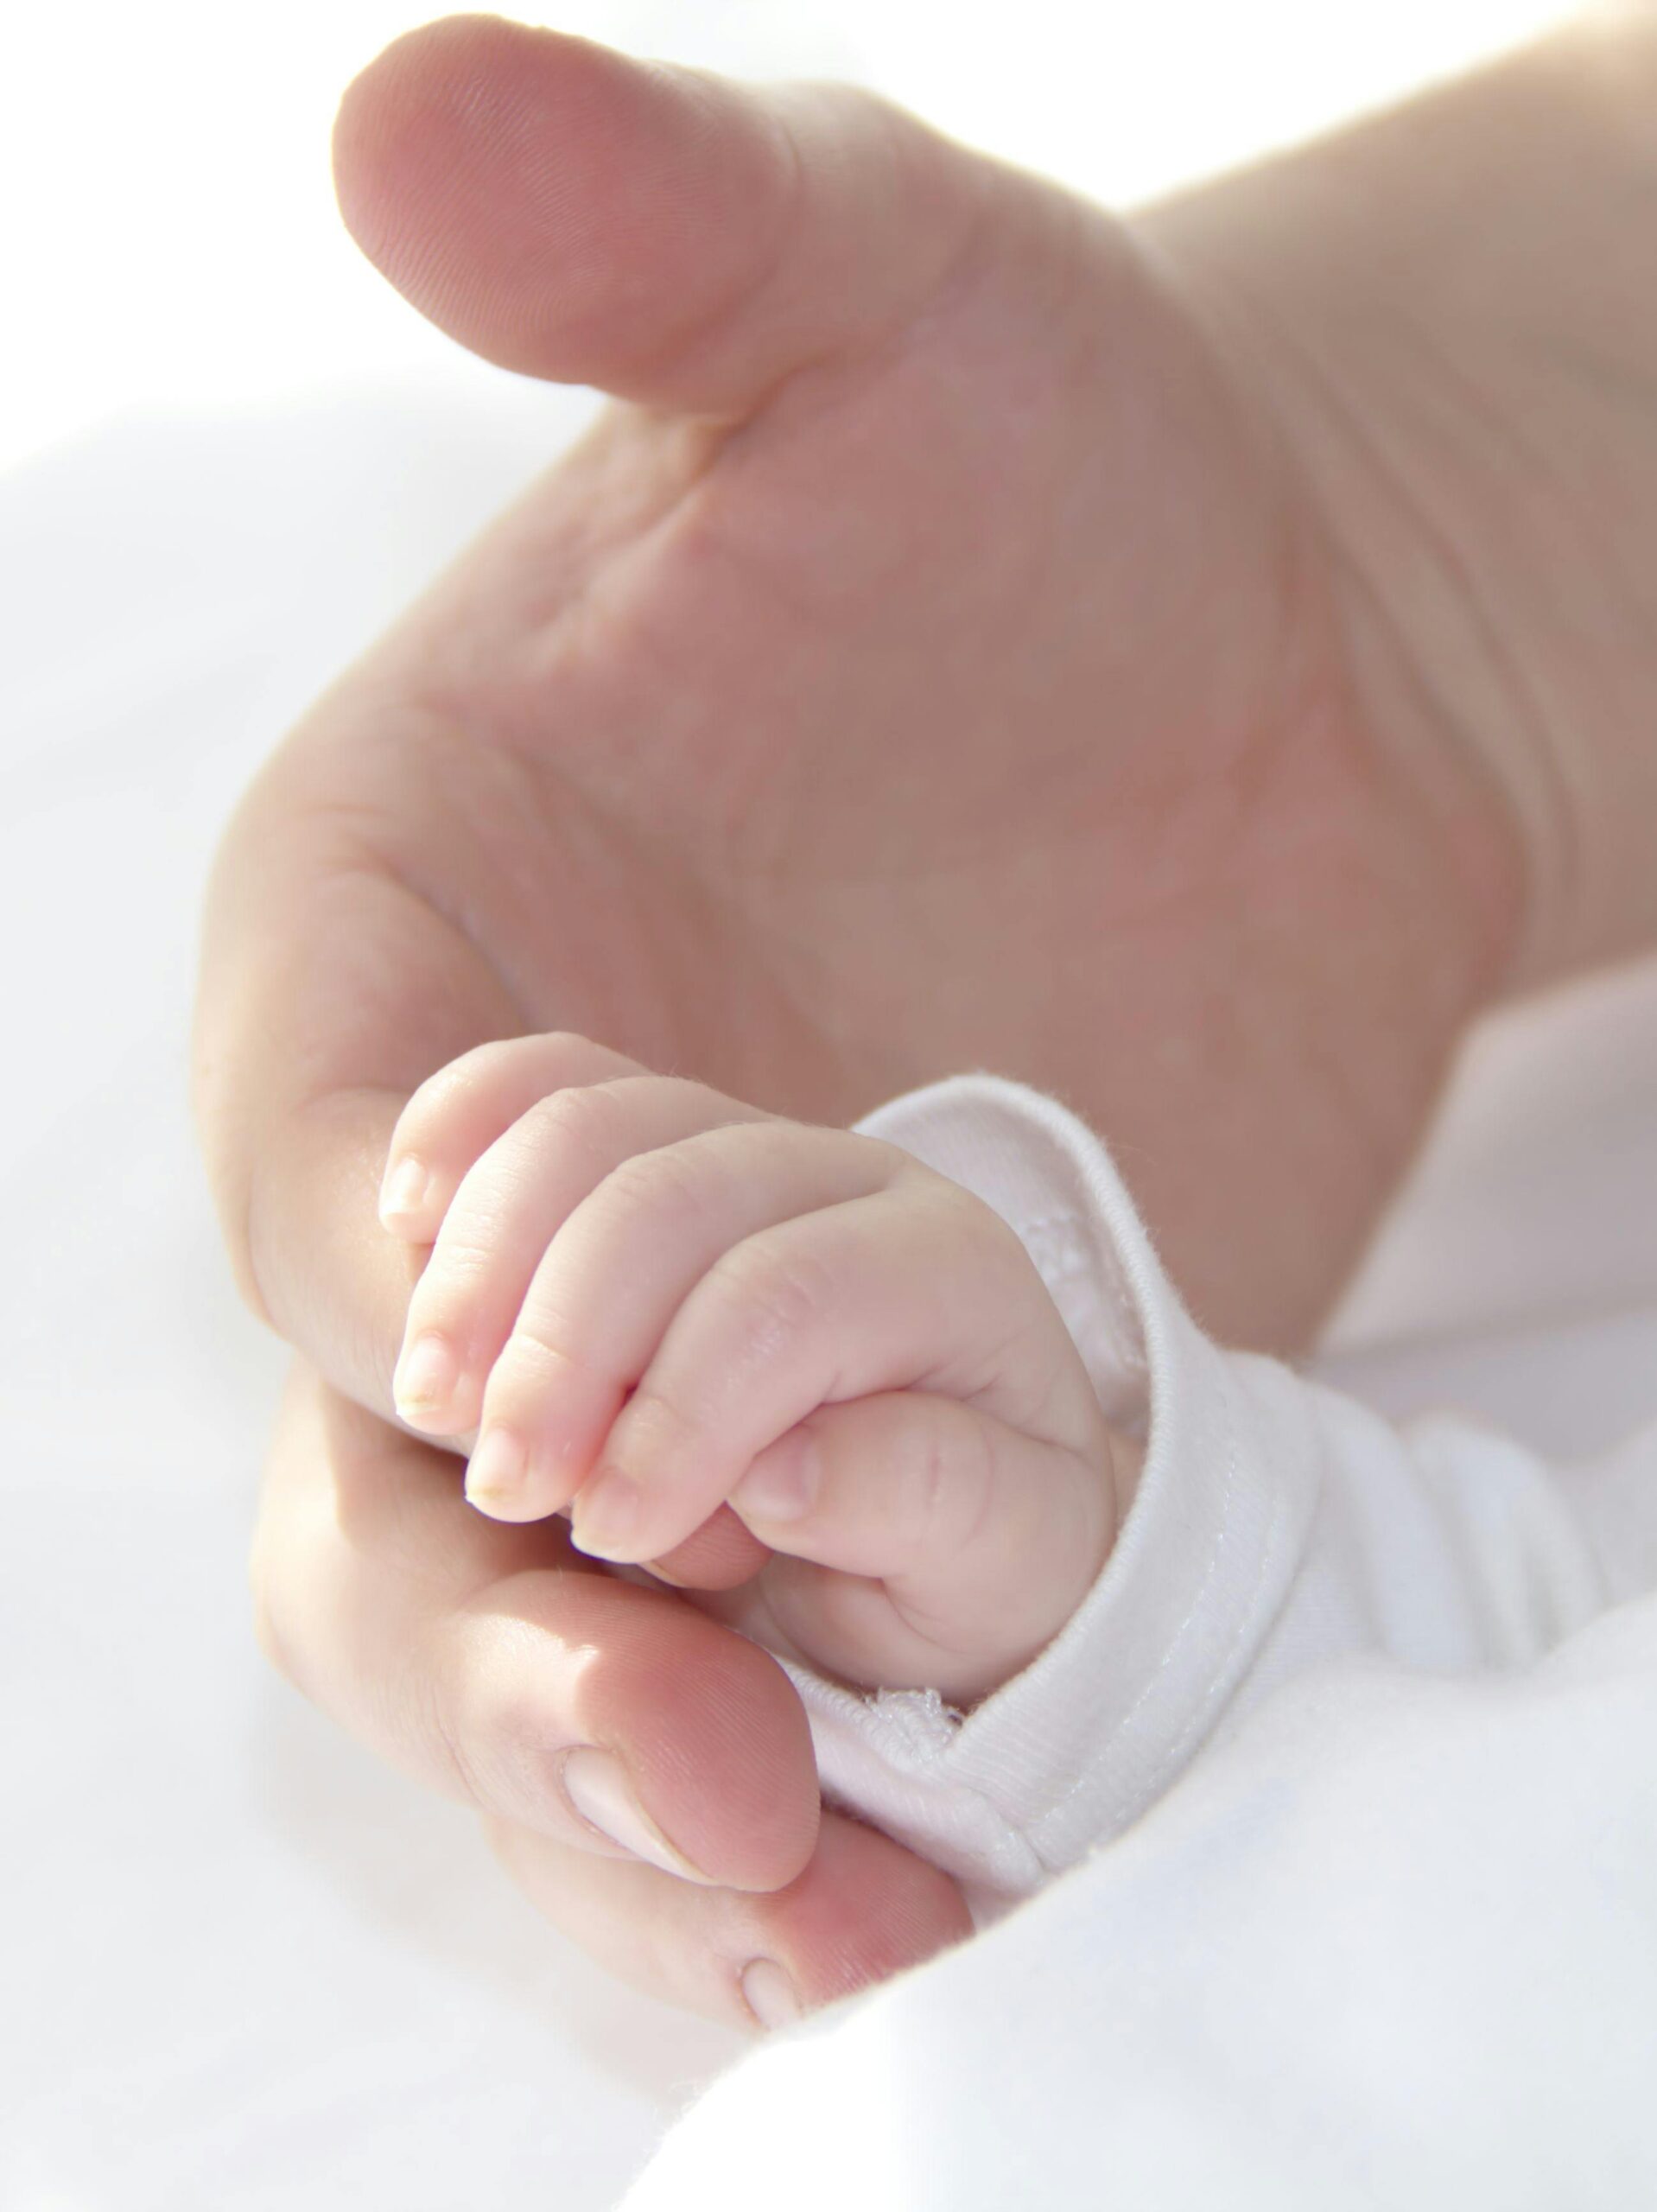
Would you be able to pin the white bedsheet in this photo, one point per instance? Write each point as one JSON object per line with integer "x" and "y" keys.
{"x": 242, "y": 1966}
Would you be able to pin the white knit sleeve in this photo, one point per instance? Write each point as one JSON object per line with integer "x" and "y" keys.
{"x": 1276, "y": 1524}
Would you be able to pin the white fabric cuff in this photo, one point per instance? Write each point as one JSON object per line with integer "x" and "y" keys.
{"x": 1072, "y": 1749}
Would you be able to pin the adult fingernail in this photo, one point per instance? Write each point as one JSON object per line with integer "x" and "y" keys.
{"x": 425, "y": 1378}
{"x": 769, "y": 1994}
{"x": 598, "y": 1786}
{"x": 496, "y": 1472}
{"x": 782, "y": 1483}
{"x": 404, "y": 1190}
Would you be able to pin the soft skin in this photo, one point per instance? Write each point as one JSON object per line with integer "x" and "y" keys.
{"x": 663, "y": 1310}
{"x": 980, "y": 638}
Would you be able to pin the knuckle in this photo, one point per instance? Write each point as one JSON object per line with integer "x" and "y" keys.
{"x": 773, "y": 1291}
{"x": 530, "y": 1369}
{"x": 964, "y": 1215}
{"x": 662, "y": 1425}
{"x": 951, "y": 1479}
{"x": 670, "y": 1186}
{"x": 582, "y": 1120}
{"x": 562, "y": 1059}
{"x": 446, "y": 1095}
{"x": 464, "y": 1235}
{"x": 462, "y": 1262}
{"x": 903, "y": 1169}
{"x": 565, "y": 1048}
{"x": 452, "y": 1302}
{"x": 554, "y": 1057}
{"x": 933, "y": 1472}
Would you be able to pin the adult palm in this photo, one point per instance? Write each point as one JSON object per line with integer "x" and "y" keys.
{"x": 938, "y": 660}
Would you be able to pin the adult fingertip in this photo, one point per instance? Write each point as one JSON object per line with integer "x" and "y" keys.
{"x": 558, "y": 207}
{"x": 572, "y": 213}
{"x": 601, "y": 1793}
{"x": 865, "y": 1908}
{"x": 722, "y": 1749}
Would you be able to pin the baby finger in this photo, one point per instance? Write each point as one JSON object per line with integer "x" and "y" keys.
{"x": 929, "y": 1545}
{"x": 454, "y": 1116}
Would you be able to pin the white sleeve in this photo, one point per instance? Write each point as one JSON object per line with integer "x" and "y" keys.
{"x": 1394, "y": 1944}
{"x": 1276, "y": 1525}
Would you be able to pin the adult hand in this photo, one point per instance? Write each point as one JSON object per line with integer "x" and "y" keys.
{"x": 939, "y": 660}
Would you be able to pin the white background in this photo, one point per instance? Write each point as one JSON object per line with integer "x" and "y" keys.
{"x": 240, "y": 1966}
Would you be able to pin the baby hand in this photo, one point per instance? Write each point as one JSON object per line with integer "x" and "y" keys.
{"x": 650, "y": 1300}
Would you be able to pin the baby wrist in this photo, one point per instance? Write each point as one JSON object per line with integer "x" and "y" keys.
{"x": 1073, "y": 1749}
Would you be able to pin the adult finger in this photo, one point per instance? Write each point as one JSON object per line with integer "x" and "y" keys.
{"x": 661, "y": 233}
{"x": 864, "y": 1909}
{"x": 488, "y": 1662}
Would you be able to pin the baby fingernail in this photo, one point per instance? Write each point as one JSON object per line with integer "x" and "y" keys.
{"x": 607, "y": 1510}
{"x": 425, "y": 1378}
{"x": 597, "y": 1785}
{"x": 404, "y": 1190}
{"x": 496, "y": 1471}
{"x": 769, "y": 1993}
{"x": 782, "y": 1483}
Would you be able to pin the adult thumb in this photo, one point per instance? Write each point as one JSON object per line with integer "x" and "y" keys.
{"x": 666, "y": 235}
